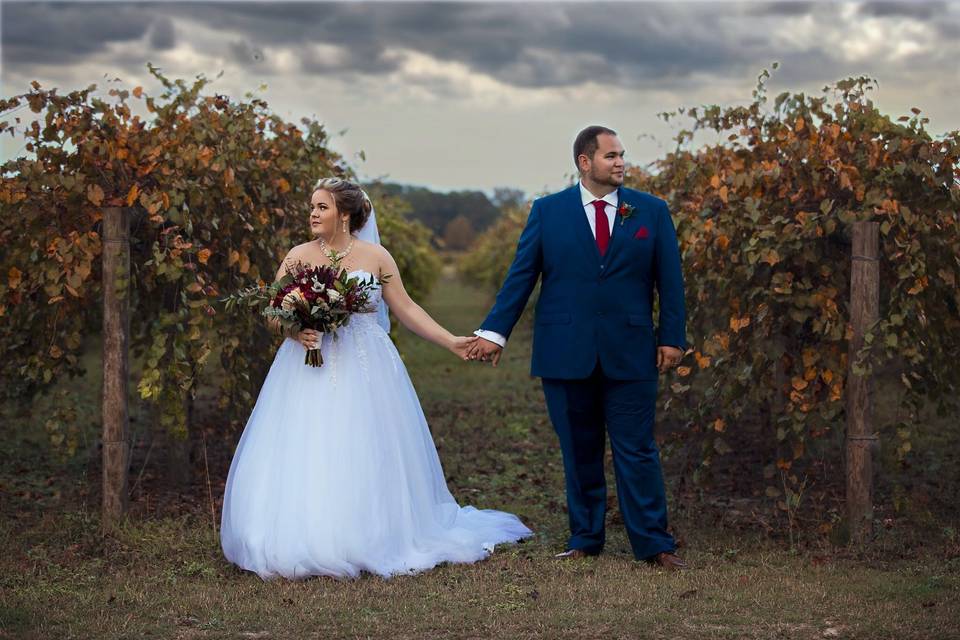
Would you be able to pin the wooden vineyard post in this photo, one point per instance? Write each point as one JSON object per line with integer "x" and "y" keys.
{"x": 116, "y": 328}
{"x": 864, "y": 312}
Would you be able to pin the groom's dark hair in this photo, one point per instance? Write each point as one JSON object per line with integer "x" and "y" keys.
{"x": 586, "y": 142}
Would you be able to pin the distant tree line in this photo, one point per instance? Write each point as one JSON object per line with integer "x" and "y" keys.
{"x": 457, "y": 217}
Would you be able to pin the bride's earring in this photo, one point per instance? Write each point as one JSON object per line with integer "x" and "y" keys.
{"x": 344, "y": 226}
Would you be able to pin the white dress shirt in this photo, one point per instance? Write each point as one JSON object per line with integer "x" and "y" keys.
{"x": 587, "y": 199}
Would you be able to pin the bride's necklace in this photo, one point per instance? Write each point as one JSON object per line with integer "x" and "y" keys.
{"x": 332, "y": 253}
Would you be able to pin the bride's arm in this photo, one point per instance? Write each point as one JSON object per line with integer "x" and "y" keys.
{"x": 272, "y": 323}
{"x": 411, "y": 315}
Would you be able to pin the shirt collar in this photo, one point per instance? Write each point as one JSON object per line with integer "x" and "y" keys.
{"x": 586, "y": 197}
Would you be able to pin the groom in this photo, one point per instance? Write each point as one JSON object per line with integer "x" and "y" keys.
{"x": 600, "y": 248}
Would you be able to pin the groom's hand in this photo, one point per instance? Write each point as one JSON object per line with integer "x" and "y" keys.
{"x": 484, "y": 351}
{"x": 668, "y": 357}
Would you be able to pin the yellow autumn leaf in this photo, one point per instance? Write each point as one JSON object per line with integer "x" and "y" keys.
{"x": 723, "y": 339}
{"x": 95, "y": 194}
{"x": 810, "y": 374}
{"x": 715, "y": 182}
{"x": 723, "y": 193}
{"x": 719, "y": 425}
{"x": 771, "y": 257}
{"x": 203, "y": 255}
{"x": 827, "y": 375}
{"x": 132, "y": 194}
{"x": 736, "y": 324}
{"x": 919, "y": 285}
{"x": 835, "y": 391}
{"x": 282, "y": 185}
{"x": 683, "y": 371}
{"x": 137, "y": 92}
{"x": 799, "y": 383}
{"x": 845, "y": 182}
{"x": 702, "y": 361}
{"x": 14, "y": 276}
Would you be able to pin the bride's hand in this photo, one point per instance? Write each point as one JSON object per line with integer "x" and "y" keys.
{"x": 461, "y": 345}
{"x": 309, "y": 338}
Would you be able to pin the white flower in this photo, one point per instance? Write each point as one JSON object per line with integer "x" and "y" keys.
{"x": 333, "y": 295}
{"x": 292, "y": 300}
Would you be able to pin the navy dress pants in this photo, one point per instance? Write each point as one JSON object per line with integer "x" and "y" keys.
{"x": 583, "y": 412}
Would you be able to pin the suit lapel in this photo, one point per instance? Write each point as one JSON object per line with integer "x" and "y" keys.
{"x": 581, "y": 228}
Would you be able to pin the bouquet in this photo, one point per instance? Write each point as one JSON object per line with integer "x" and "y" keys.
{"x": 320, "y": 298}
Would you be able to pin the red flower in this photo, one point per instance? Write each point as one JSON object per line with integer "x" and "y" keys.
{"x": 625, "y": 211}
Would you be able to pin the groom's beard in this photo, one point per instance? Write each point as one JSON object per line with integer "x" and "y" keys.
{"x": 610, "y": 179}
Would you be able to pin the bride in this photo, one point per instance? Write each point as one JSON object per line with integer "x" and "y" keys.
{"x": 336, "y": 472}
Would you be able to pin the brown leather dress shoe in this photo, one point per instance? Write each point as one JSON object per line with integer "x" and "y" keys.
{"x": 571, "y": 554}
{"x": 667, "y": 560}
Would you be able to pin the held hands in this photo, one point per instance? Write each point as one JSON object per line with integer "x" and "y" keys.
{"x": 476, "y": 348}
{"x": 461, "y": 346}
{"x": 485, "y": 351}
{"x": 667, "y": 358}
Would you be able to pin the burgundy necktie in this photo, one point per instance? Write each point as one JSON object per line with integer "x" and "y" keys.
{"x": 602, "y": 226}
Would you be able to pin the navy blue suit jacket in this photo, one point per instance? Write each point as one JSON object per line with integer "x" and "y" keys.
{"x": 592, "y": 308}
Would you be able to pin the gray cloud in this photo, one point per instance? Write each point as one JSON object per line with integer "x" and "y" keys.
{"x": 526, "y": 45}
{"x": 782, "y": 8}
{"x": 246, "y": 53}
{"x": 331, "y": 60}
{"x": 60, "y": 32}
{"x": 530, "y": 45}
{"x": 922, "y": 9}
{"x": 162, "y": 34}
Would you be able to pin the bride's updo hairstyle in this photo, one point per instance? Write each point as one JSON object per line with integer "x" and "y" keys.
{"x": 350, "y": 198}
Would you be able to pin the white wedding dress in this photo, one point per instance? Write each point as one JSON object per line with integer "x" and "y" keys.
{"x": 336, "y": 472}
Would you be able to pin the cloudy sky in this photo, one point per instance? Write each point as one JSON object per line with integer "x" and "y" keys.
{"x": 480, "y": 95}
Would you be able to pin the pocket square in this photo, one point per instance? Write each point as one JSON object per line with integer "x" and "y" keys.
{"x": 642, "y": 233}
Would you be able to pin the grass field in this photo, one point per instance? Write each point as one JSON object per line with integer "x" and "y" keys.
{"x": 162, "y": 574}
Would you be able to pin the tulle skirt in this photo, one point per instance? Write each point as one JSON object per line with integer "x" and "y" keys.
{"x": 336, "y": 472}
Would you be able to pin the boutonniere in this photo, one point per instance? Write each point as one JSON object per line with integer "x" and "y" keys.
{"x": 625, "y": 211}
